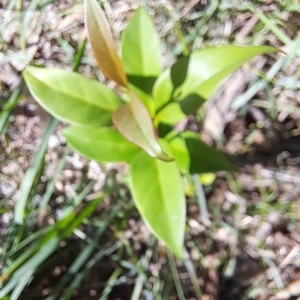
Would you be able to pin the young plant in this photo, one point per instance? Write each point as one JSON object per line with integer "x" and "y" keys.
{"x": 106, "y": 128}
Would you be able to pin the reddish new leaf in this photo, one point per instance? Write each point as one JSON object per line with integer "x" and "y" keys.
{"x": 102, "y": 43}
{"x": 134, "y": 122}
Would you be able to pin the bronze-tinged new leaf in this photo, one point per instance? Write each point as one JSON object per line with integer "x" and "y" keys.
{"x": 102, "y": 43}
{"x": 134, "y": 122}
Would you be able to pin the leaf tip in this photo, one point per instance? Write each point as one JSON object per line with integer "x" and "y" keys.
{"x": 101, "y": 39}
{"x": 163, "y": 156}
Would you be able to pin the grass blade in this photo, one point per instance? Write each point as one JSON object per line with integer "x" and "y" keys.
{"x": 274, "y": 270}
{"x": 175, "y": 276}
{"x": 86, "y": 269}
{"x": 9, "y": 105}
{"x": 30, "y": 265}
{"x": 51, "y": 184}
{"x": 26, "y": 22}
{"x": 191, "y": 270}
{"x": 39, "y": 252}
{"x": 30, "y": 175}
{"x": 271, "y": 25}
{"x": 7, "y": 18}
{"x": 201, "y": 199}
{"x": 84, "y": 255}
{"x": 110, "y": 283}
{"x": 25, "y": 280}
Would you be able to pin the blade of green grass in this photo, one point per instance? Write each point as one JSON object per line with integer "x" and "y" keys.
{"x": 201, "y": 199}
{"x": 46, "y": 230}
{"x": 86, "y": 269}
{"x": 22, "y": 14}
{"x": 42, "y": 5}
{"x": 155, "y": 291}
{"x": 30, "y": 265}
{"x": 9, "y": 105}
{"x": 293, "y": 7}
{"x": 40, "y": 251}
{"x": 26, "y": 22}
{"x": 139, "y": 268}
{"x": 138, "y": 287}
{"x": 8, "y": 239}
{"x": 84, "y": 255}
{"x": 243, "y": 99}
{"x": 175, "y": 276}
{"x": 142, "y": 277}
{"x": 191, "y": 270}
{"x": 77, "y": 199}
{"x": 27, "y": 241}
{"x": 56, "y": 228}
{"x": 30, "y": 175}
{"x": 196, "y": 34}
{"x": 110, "y": 284}
{"x": 7, "y": 18}
{"x": 24, "y": 281}
{"x": 79, "y": 55}
{"x": 271, "y": 25}
{"x": 51, "y": 184}
{"x": 73, "y": 9}
{"x": 276, "y": 274}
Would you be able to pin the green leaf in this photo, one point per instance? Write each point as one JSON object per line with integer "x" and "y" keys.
{"x": 157, "y": 189}
{"x": 71, "y": 97}
{"x": 207, "y": 178}
{"x": 102, "y": 43}
{"x": 141, "y": 51}
{"x": 200, "y": 73}
{"x": 194, "y": 156}
{"x": 100, "y": 144}
{"x": 134, "y": 123}
{"x": 170, "y": 115}
{"x": 141, "y": 55}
